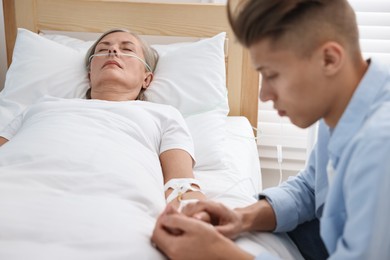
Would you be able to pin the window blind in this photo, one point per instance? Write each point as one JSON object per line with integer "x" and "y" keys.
{"x": 373, "y": 19}
{"x": 274, "y": 130}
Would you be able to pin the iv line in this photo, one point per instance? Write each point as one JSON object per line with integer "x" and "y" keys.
{"x": 233, "y": 186}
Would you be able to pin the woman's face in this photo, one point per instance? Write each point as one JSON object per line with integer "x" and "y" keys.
{"x": 115, "y": 76}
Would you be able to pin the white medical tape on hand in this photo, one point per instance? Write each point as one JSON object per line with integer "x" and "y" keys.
{"x": 180, "y": 186}
{"x": 183, "y": 203}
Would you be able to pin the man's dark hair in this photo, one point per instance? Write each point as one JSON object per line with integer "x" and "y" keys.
{"x": 299, "y": 24}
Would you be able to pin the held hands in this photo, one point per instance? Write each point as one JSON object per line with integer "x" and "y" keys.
{"x": 182, "y": 236}
{"x": 226, "y": 221}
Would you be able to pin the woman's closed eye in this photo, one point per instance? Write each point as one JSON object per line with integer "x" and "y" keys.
{"x": 102, "y": 50}
{"x": 127, "y": 50}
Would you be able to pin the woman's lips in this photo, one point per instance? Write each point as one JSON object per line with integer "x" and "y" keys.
{"x": 111, "y": 62}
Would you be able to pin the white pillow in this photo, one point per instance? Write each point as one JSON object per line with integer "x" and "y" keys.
{"x": 189, "y": 76}
{"x": 40, "y": 67}
{"x": 74, "y": 43}
{"x": 208, "y": 131}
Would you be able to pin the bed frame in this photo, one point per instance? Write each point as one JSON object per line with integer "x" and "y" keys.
{"x": 165, "y": 19}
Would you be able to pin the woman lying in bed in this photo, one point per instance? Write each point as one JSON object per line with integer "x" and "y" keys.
{"x": 79, "y": 170}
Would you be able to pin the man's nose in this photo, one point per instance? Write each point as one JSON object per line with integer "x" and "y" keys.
{"x": 266, "y": 93}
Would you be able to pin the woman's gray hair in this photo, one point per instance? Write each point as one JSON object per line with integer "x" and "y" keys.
{"x": 150, "y": 54}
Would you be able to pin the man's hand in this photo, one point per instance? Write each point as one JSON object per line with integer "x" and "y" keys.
{"x": 226, "y": 221}
{"x": 3, "y": 140}
{"x": 183, "y": 237}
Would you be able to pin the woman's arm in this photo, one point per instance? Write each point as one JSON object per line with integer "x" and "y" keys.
{"x": 3, "y": 140}
{"x": 176, "y": 164}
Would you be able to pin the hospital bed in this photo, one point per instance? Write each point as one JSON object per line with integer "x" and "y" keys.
{"x": 202, "y": 71}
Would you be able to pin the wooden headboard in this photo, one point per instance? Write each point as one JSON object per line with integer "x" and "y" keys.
{"x": 165, "y": 19}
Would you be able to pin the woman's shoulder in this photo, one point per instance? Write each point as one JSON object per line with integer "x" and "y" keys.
{"x": 153, "y": 105}
{"x": 164, "y": 109}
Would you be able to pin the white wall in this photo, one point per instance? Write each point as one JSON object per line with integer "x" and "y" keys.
{"x": 3, "y": 56}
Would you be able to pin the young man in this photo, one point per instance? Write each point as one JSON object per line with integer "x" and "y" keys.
{"x": 308, "y": 54}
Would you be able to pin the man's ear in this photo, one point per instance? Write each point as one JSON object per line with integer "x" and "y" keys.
{"x": 148, "y": 79}
{"x": 333, "y": 57}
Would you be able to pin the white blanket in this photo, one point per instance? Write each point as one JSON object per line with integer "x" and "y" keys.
{"x": 82, "y": 179}
{"x": 74, "y": 184}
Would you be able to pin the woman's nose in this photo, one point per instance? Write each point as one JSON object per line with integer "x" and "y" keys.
{"x": 112, "y": 51}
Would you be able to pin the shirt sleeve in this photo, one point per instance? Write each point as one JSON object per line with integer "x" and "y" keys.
{"x": 175, "y": 134}
{"x": 293, "y": 201}
{"x": 301, "y": 197}
{"x": 12, "y": 128}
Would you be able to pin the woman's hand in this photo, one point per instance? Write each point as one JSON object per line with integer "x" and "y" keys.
{"x": 226, "y": 221}
{"x": 183, "y": 237}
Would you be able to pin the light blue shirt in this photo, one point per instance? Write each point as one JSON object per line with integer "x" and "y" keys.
{"x": 354, "y": 209}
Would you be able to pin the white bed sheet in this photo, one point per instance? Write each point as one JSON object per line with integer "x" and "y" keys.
{"x": 41, "y": 220}
{"x": 239, "y": 183}
{"x": 242, "y": 177}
